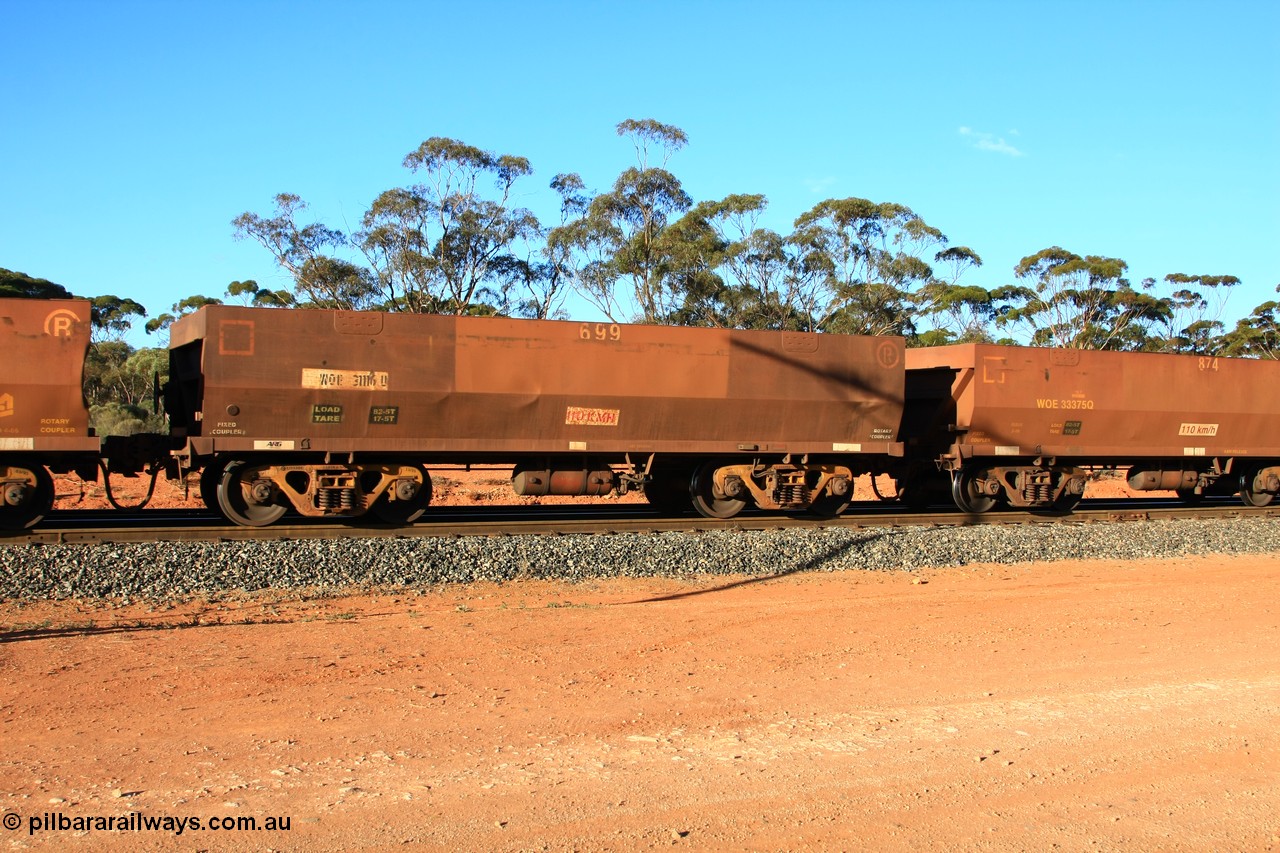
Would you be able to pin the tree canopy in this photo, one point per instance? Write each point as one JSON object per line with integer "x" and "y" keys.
{"x": 456, "y": 238}
{"x": 643, "y": 250}
{"x": 19, "y": 285}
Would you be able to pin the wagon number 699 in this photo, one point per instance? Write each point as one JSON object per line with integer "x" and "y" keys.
{"x": 600, "y": 332}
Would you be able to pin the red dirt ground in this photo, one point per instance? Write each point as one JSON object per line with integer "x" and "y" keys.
{"x": 1075, "y": 706}
{"x": 1098, "y": 705}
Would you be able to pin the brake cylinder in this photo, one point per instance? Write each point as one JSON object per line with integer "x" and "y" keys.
{"x": 578, "y": 482}
{"x": 1160, "y": 480}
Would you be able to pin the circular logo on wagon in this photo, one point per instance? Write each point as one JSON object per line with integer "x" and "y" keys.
{"x": 887, "y": 354}
{"x": 60, "y": 322}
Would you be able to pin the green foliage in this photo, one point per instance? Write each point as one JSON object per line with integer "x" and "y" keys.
{"x": 1195, "y": 310}
{"x": 454, "y": 242}
{"x": 620, "y": 234}
{"x": 1079, "y": 302}
{"x": 866, "y": 260}
{"x": 180, "y": 309}
{"x": 957, "y": 313}
{"x": 19, "y": 285}
{"x": 438, "y": 246}
{"x": 1086, "y": 302}
{"x": 320, "y": 278}
{"x": 441, "y": 245}
{"x": 111, "y": 316}
{"x": 748, "y": 277}
{"x": 116, "y": 373}
{"x": 648, "y": 132}
{"x": 1257, "y": 335}
{"x": 249, "y": 293}
{"x": 116, "y": 418}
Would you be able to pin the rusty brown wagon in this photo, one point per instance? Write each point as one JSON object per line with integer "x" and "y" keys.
{"x": 335, "y": 413}
{"x": 44, "y": 422}
{"x": 1026, "y": 426}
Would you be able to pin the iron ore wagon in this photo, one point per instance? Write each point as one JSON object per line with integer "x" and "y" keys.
{"x": 1023, "y": 426}
{"x": 44, "y": 422}
{"x": 336, "y": 413}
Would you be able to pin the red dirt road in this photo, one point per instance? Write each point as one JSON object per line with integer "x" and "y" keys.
{"x": 1076, "y": 706}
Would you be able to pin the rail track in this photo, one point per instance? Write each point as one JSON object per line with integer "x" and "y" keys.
{"x": 92, "y": 527}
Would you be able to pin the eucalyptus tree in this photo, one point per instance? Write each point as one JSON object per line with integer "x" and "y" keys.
{"x": 19, "y": 285}
{"x": 536, "y": 282}
{"x": 620, "y": 234}
{"x": 1196, "y": 306}
{"x": 1079, "y": 302}
{"x": 119, "y": 383}
{"x": 440, "y": 245}
{"x": 436, "y": 246}
{"x": 111, "y": 317}
{"x": 694, "y": 250}
{"x": 249, "y": 292}
{"x": 954, "y": 312}
{"x": 160, "y": 324}
{"x": 738, "y": 274}
{"x": 310, "y": 254}
{"x": 1257, "y": 335}
{"x": 865, "y": 262}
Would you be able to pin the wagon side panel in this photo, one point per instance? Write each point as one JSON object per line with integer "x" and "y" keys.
{"x": 338, "y": 381}
{"x": 42, "y": 353}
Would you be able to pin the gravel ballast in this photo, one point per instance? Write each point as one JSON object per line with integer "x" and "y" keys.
{"x": 158, "y": 571}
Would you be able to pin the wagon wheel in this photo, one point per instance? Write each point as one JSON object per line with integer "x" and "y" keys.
{"x": 705, "y": 499}
{"x": 406, "y": 509}
{"x": 1248, "y": 495}
{"x": 668, "y": 492}
{"x": 964, "y": 491}
{"x": 246, "y": 500}
{"x": 23, "y": 505}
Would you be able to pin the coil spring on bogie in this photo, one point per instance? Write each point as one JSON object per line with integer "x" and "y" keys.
{"x": 336, "y": 498}
{"x": 1037, "y": 493}
{"x": 792, "y": 494}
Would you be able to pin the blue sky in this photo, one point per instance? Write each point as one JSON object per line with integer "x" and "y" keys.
{"x": 1148, "y": 131}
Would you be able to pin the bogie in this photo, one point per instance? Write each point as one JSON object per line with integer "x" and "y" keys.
{"x": 256, "y": 494}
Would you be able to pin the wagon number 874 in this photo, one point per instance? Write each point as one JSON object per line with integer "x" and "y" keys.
{"x": 600, "y": 332}
{"x": 1208, "y": 363}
